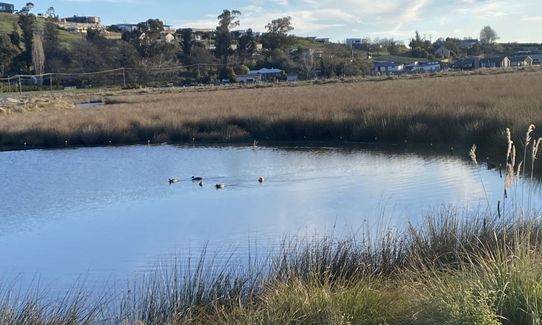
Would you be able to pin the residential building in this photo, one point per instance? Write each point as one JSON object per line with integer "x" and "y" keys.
{"x": 521, "y": 60}
{"x": 83, "y": 20}
{"x": 442, "y": 52}
{"x": 380, "y": 67}
{"x": 467, "y": 43}
{"x": 268, "y": 74}
{"x": 249, "y": 78}
{"x": 495, "y": 62}
{"x": 126, "y": 27}
{"x": 423, "y": 66}
{"x": 354, "y": 42}
{"x": 469, "y": 63}
{"x": 7, "y": 8}
{"x": 537, "y": 58}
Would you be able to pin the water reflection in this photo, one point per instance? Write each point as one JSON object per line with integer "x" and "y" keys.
{"x": 109, "y": 212}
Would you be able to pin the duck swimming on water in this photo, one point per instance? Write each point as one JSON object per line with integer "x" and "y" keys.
{"x": 220, "y": 186}
{"x": 197, "y": 179}
{"x": 173, "y": 181}
{"x": 261, "y": 180}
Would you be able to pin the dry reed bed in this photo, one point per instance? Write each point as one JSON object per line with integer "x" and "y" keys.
{"x": 458, "y": 110}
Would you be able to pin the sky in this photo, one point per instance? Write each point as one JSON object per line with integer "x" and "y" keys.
{"x": 514, "y": 20}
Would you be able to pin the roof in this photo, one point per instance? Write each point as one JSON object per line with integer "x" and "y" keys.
{"x": 385, "y": 64}
{"x": 266, "y": 71}
{"x": 493, "y": 59}
{"x": 518, "y": 58}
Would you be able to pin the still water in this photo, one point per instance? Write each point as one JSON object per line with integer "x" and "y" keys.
{"x": 109, "y": 214}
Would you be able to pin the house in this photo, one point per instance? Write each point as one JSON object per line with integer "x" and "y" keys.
{"x": 126, "y": 27}
{"x": 292, "y": 77}
{"x": 83, "y": 20}
{"x": 355, "y": 43}
{"x": 495, "y": 62}
{"x": 268, "y": 74}
{"x": 521, "y": 60}
{"x": 537, "y": 58}
{"x": 469, "y": 63}
{"x": 442, "y": 52}
{"x": 467, "y": 43}
{"x": 427, "y": 67}
{"x": 7, "y": 8}
{"x": 380, "y": 67}
{"x": 248, "y": 78}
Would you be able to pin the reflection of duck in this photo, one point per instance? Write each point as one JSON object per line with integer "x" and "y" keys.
{"x": 261, "y": 180}
{"x": 197, "y": 179}
{"x": 220, "y": 186}
{"x": 173, "y": 181}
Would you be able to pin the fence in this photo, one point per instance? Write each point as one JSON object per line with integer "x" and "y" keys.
{"x": 120, "y": 77}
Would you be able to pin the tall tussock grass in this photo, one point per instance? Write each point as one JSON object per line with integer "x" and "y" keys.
{"x": 451, "y": 110}
{"x": 448, "y": 270}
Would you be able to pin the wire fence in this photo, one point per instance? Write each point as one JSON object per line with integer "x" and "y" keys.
{"x": 119, "y": 77}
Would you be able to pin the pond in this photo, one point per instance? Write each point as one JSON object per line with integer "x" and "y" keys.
{"x": 108, "y": 214}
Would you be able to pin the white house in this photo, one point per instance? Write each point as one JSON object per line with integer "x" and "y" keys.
{"x": 248, "y": 78}
{"x": 428, "y": 67}
{"x": 387, "y": 67}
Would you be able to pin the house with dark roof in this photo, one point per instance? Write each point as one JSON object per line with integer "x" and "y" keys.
{"x": 469, "y": 63}
{"x": 380, "y": 67}
{"x": 7, "y": 8}
{"x": 495, "y": 62}
{"x": 537, "y": 58}
{"x": 442, "y": 52}
{"x": 521, "y": 60}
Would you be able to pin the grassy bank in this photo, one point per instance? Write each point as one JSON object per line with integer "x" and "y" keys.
{"x": 446, "y": 271}
{"x": 451, "y": 110}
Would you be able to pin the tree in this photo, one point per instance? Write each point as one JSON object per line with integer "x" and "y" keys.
{"x": 38, "y": 54}
{"x": 420, "y": 48}
{"x": 247, "y": 44}
{"x": 8, "y": 52}
{"x": 27, "y": 24}
{"x": 277, "y": 33}
{"x": 226, "y": 21}
{"x": 26, "y": 9}
{"x": 187, "y": 40}
{"x": 488, "y": 35}
{"x": 95, "y": 34}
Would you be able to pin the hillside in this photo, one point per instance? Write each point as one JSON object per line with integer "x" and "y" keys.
{"x": 8, "y": 22}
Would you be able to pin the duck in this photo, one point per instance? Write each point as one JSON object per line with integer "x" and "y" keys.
{"x": 173, "y": 181}
{"x": 200, "y": 184}
{"x": 220, "y": 186}
{"x": 261, "y": 180}
{"x": 197, "y": 179}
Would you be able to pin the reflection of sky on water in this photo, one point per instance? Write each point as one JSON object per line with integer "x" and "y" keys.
{"x": 108, "y": 211}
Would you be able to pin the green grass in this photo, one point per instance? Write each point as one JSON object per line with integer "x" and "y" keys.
{"x": 8, "y": 21}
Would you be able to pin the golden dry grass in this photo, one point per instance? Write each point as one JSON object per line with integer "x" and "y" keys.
{"x": 452, "y": 110}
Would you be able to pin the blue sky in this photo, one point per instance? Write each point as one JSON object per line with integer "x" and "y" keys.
{"x": 514, "y": 20}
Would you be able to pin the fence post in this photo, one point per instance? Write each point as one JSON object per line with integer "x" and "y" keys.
{"x": 20, "y": 86}
{"x": 51, "y": 82}
{"x": 124, "y": 77}
{"x": 9, "y": 84}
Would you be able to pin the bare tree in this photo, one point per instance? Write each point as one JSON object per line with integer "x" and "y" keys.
{"x": 488, "y": 35}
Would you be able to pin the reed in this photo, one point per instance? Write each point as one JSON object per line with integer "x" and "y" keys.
{"x": 448, "y": 110}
